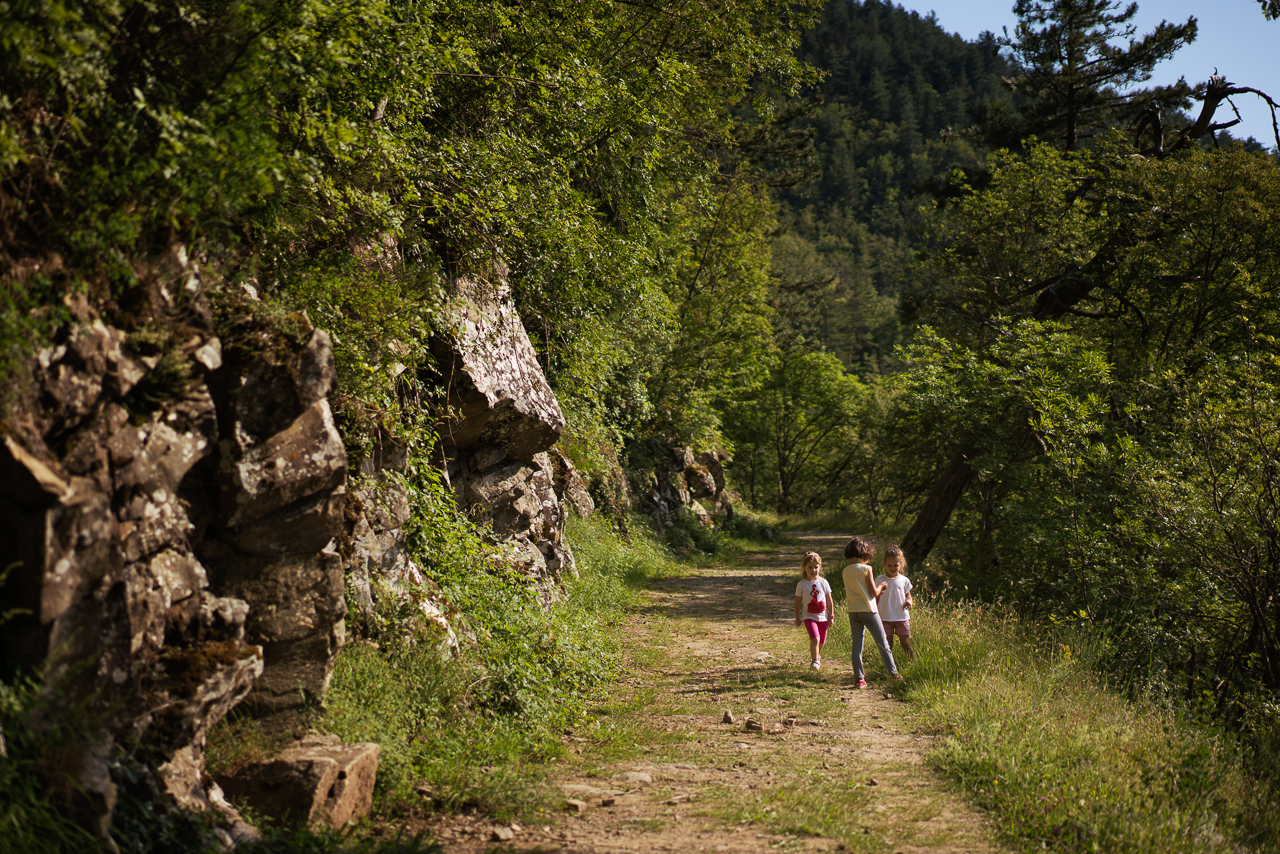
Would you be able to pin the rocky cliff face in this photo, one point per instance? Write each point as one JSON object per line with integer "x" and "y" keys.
{"x": 684, "y": 482}
{"x": 177, "y": 513}
{"x": 136, "y": 484}
{"x": 503, "y": 421}
{"x": 170, "y": 511}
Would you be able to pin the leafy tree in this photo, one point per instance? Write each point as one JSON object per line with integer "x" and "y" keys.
{"x": 1115, "y": 468}
{"x": 1073, "y": 81}
{"x": 796, "y": 437}
{"x": 1006, "y": 402}
{"x": 1212, "y": 519}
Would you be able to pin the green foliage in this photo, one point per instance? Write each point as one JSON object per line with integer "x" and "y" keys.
{"x": 1205, "y": 510}
{"x": 722, "y": 336}
{"x": 475, "y": 730}
{"x": 796, "y": 437}
{"x": 1120, "y": 481}
{"x": 992, "y": 247}
{"x": 42, "y": 807}
{"x": 125, "y": 120}
{"x": 29, "y": 819}
{"x": 688, "y": 532}
{"x": 350, "y": 159}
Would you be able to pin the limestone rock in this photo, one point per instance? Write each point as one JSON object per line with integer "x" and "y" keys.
{"x": 700, "y": 482}
{"x": 569, "y": 484}
{"x": 495, "y": 384}
{"x": 169, "y": 548}
{"x": 305, "y": 458}
{"x": 385, "y": 503}
{"x": 385, "y": 453}
{"x": 297, "y": 615}
{"x": 520, "y": 503}
{"x": 518, "y": 498}
{"x": 681, "y": 482}
{"x": 699, "y": 512}
{"x": 201, "y": 684}
{"x": 271, "y": 383}
{"x": 154, "y": 589}
{"x": 378, "y": 567}
{"x": 318, "y": 782}
{"x": 154, "y": 458}
{"x": 307, "y": 525}
{"x": 713, "y": 462}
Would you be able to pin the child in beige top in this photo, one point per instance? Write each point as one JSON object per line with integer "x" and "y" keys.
{"x": 861, "y": 593}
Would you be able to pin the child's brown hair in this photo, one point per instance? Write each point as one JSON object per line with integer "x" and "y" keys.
{"x": 811, "y": 559}
{"x": 859, "y": 549}
{"x": 895, "y": 550}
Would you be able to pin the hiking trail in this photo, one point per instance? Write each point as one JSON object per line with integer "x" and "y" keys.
{"x": 833, "y": 769}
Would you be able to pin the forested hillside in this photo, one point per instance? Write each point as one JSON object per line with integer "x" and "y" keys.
{"x": 892, "y": 110}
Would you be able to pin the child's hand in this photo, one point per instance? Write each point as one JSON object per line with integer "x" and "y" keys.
{"x": 797, "y": 621}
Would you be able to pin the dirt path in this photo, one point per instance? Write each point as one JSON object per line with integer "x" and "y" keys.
{"x": 834, "y": 768}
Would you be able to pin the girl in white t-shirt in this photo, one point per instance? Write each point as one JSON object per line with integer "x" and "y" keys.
{"x": 895, "y": 598}
{"x": 813, "y": 600}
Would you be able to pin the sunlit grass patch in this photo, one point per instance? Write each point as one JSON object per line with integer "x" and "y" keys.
{"x": 1062, "y": 761}
{"x": 812, "y": 804}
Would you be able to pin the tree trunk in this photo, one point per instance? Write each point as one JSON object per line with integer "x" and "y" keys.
{"x": 937, "y": 510}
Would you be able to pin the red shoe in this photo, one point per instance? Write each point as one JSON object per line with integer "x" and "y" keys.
{"x": 862, "y": 683}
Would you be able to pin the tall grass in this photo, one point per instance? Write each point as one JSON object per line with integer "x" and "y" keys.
{"x": 1063, "y": 761}
{"x": 479, "y": 730}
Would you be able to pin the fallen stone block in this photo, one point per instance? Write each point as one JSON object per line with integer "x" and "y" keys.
{"x": 322, "y": 781}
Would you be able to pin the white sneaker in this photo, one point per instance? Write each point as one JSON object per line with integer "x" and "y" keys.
{"x": 816, "y": 665}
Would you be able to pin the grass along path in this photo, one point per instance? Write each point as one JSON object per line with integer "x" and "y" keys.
{"x": 834, "y": 768}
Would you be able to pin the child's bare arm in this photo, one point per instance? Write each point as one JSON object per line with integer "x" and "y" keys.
{"x": 798, "y": 604}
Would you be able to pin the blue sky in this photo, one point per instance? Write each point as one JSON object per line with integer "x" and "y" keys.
{"x": 1234, "y": 37}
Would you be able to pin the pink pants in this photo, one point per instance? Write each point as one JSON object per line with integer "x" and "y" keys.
{"x": 817, "y": 630}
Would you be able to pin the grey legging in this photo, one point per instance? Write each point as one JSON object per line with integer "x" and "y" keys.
{"x": 858, "y": 620}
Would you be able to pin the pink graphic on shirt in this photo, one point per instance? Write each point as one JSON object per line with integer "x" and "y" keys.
{"x": 816, "y": 603}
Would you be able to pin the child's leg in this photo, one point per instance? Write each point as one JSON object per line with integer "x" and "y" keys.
{"x": 905, "y": 630}
{"x": 877, "y": 634}
{"x": 892, "y": 628}
{"x": 811, "y": 627}
{"x": 855, "y": 638}
{"x": 822, "y": 636}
